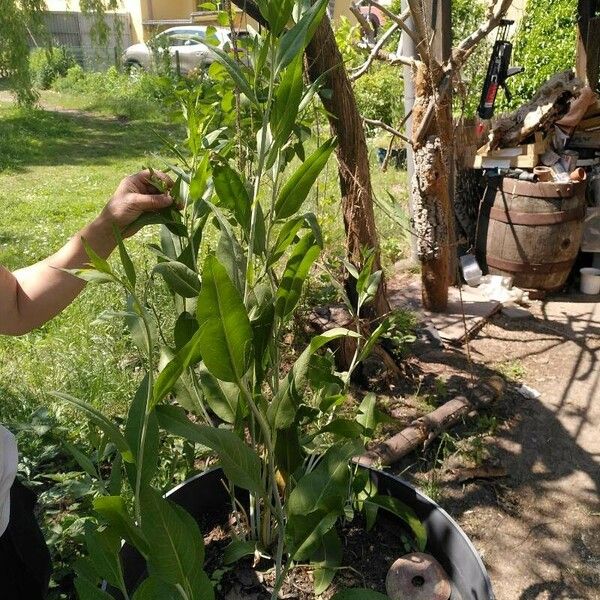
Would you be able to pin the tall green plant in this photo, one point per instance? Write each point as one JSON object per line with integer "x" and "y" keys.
{"x": 276, "y": 431}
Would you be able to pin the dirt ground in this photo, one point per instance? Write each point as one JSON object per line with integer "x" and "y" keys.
{"x": 538, "y": 529}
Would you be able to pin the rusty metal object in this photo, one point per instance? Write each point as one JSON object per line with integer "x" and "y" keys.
{"x": 417, "y": 576}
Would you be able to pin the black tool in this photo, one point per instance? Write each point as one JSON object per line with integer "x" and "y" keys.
{"x": 498, "y": 72}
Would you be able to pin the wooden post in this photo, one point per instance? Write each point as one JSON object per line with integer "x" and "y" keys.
{"x": 588, "y": 41}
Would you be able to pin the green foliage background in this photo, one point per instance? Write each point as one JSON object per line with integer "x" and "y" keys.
{"x": 544, "y": 45}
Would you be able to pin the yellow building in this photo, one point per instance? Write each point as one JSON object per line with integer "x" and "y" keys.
{"x": 147, "y": 16}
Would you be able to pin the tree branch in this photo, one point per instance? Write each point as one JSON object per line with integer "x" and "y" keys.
{"x": 422, "y": 44}
{"x": 388, "y": 128}
{"x": 374, "y": 52}
{"x": 363, "y": 22}
{"x": 398, "y": 19}
{"x": 466, "y": 47}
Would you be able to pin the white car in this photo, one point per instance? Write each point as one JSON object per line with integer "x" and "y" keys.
{"x": 185, "y": 45}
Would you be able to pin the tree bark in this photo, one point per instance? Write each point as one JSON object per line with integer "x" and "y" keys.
{"x": 433, "y": 212}
{"x": 323, "y": 56}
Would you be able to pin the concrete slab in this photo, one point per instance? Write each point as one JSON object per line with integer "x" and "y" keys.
{"x": 468, "y": 309}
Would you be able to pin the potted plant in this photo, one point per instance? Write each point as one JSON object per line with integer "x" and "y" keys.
{"x": 235, "y": 260}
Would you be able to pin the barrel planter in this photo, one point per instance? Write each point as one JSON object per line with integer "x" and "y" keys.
{"x": 531, "y": 231}
{"x": 205, "y": 494}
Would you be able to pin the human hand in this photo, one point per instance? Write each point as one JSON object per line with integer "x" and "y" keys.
{"x": 134, "y": 196}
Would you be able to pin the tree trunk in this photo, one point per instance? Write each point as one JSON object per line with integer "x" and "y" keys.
{"x": 431, "y": 191}
{"x": 323, "y": 56}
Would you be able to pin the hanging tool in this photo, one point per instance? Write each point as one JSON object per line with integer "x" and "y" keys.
{"x": 498, "y": 72}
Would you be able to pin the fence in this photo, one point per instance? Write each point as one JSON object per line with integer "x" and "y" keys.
{"x": 79, "y": 33}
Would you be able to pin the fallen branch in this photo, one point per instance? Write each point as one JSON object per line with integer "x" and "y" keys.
{"x": 424, "y": 430}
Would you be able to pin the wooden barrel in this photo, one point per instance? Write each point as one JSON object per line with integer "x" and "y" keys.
{"x": 531, "y": 231}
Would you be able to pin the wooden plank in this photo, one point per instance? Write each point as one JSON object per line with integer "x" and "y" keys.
{"x": 589, "y": 123}
{"x": 484, "y": 162}
{"x": 585, "y": 139}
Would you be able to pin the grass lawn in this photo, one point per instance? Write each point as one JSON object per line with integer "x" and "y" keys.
{"x": 57, "y": 170}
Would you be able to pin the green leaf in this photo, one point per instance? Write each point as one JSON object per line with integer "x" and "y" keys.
{"x": 189, "y": 355}
{"x": 142, "y": 339}
{"x": 86, "y": 590}
{"x": 276, "y": 13}
{"x": 133, "y": 435}
{"x": 91, "y": 275}
{"x": 82, "y": 460}
{"x": 282, "y": 410}
{"x": 167, "y": 217}
{"x": 125, "y": 258}
{"x": 367, "y": 412}
{"x": 98, "y": 419}
{"x": 295, "y": 191}
{"x": 360, "y": 594}
{"x": 304, "y": 534}
{"x": 222, "y": 397}
{"x": 328, "y": 560}
{"x": 326, "y": 486}
{"x": 296, "y": 270}
{"x": 238, "y": 549}
{"x": 286, "y": 236}
{"x": 225, "y": 334}
{"x": 153, "y": 588}
{"x": 344, "y": 428}
{"x": 103, "y": 548}
{"x": 175, "y": 544}
{"x": 233, "y": 193}
{"x": 184, "y": 330}
{"x": 235, "y": 71}
{"x": 179, "y": 278}
{"x": 96, "y": 261}
{"x": 297, "y": 38}
{"x": 112, "y": 509}
{"x": 289, "y": 455}
{"x": 373, "y": 339}
{"x": 287, "y": 101}
{"x": 241, "y": 465}
{"x": 199, "y": 179}
{"x": 404, "y": 512}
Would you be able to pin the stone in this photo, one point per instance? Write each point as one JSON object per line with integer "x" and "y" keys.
{"x": 417, "y": 576}
{"x": 514, "y": 312}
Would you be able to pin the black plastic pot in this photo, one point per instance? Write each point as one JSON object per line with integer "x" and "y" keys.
{"x": 206, "y": 493}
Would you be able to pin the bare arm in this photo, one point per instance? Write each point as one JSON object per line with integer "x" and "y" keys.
{"x": 31, "y": 296}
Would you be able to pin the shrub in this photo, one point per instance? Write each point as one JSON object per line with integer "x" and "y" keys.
{"x": 544, "y": 45}
{"x": 46, "y": 65}
{"x": 139, "y": 95}
{"x": 380, "y": 94}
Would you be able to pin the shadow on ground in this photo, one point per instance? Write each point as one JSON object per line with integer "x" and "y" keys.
{"x": 538, "y": 529}
{"x": 37, "y": 137}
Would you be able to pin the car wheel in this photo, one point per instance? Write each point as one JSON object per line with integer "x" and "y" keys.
{"x": 132, "y": 67}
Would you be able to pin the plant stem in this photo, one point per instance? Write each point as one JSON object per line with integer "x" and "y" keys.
{"x": 273, "y": 492}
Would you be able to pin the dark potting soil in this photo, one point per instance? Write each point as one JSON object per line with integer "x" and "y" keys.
{"x": 367, "y": 556}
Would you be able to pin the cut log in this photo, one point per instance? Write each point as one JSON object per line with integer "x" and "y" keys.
{"x": 549, "y": 104}
{"x": 424, "y": 430}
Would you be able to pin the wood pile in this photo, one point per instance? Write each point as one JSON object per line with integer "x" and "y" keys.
{"x": 558, "y": 129}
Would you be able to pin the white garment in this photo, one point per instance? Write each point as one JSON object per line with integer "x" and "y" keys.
{"x": 9, "y": 458}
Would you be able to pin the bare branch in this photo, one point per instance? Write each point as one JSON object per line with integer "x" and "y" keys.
{"x": 464, "y": 49}
{"x": 388, "y": 128}
{"x": 363, "y": 22}
{"x": 423, "y": 43}
{"x": 374, "y": 52}
{"x": 398, "y": 19}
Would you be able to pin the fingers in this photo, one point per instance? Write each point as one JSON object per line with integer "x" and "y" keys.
{"x": 148, "y": 202}
{"x": 143, "y": 181}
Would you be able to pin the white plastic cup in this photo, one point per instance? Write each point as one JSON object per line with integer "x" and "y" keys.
{"x": 590, "y": 281}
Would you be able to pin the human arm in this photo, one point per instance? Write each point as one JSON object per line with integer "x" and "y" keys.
{"x": 33, "y": 295}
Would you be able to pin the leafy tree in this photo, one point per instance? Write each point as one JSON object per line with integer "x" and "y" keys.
{"x": 544, "y": 45}
{"x": 19, "y": 20}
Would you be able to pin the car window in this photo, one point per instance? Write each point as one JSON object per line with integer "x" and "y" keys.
{"x": 185, "y": 38}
